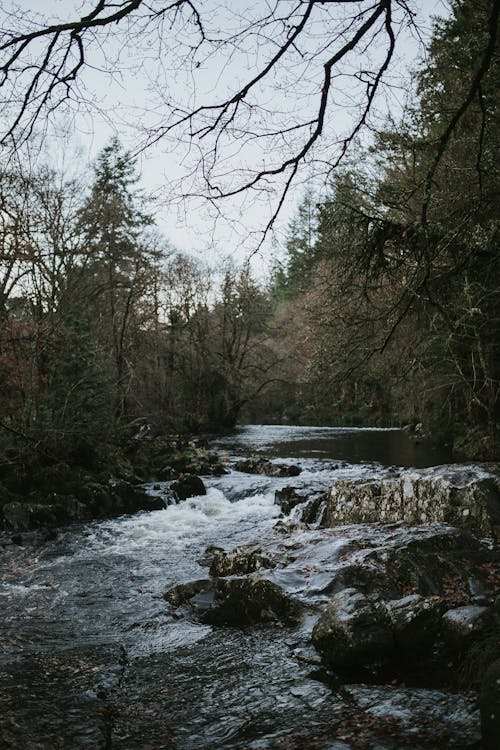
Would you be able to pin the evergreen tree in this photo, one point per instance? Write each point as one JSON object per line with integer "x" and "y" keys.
{"x": 113, "y": 221}
{"x": 291, "y": 277}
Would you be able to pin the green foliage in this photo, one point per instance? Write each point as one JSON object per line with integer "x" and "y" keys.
{"x": 291, "y": 277}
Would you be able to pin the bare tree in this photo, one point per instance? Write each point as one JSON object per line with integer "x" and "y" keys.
{"x": 297, "y": 81}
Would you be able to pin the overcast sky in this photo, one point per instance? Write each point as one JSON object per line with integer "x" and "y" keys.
{"x": 188, "y": 225}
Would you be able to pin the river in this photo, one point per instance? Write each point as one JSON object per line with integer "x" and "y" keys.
{"x": 93, "y": 658}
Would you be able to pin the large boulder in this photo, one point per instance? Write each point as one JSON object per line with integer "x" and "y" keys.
{"x": 93, "y": 500}
{"x": 240, "y": 561}
{"x": 251, "y": 599}
{"x": 352, "y": 630}
{"x": 236, "y": 601}
{"x": 188, "y": 485}
{"x": 259, "y": 465}
{"x": 356, "y": 630}
{"x": 415, "y": 624}
{"x": 115, "y": 498}
{"x": 26, "y": 516}
{"x": 131, "y": 498}
{"x": 461, "y": 626}
{"x": 465, "y": 496}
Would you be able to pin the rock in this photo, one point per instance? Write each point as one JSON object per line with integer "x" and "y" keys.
{"x": 288, "y": 498}
{"x": 27, "y": 516}
{"x": 192, "y": 459}
{"x": 251, "y": 599}
{"x": 131, "y": 498}
{"x": 240, "y": 561}
{"x": 465, "y": 496}
{"x": 353, "y": 630}
{"x": 418, "y": 717}
{"x": 167, "y": 473}
{"x": 415, "y": 624}
{"x": 94, "y": 500}
{"x": 313, "y": 511}
{"x": 188, "y": 485}
{"x": 236, "y": 601}
{"x": 462, "y": 625}
{"x": 371, "y": 594}
{"x": 356, "y": 630}
{"x": 259, "y": 465}
{"x": 197, "y": 594}
{"x": 489, "y": 705}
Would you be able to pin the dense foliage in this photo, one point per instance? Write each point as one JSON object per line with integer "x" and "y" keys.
{"x": 401, "y": 281}
{"x": 102, "y": 323}
{"x": 384, "y": 309}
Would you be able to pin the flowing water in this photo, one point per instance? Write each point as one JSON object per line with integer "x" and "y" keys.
{"x": 92, "y": 656}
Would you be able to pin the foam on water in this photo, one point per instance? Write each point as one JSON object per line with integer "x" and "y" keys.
{"x": 180, "y": 526}
{"x": 11, "y": 589}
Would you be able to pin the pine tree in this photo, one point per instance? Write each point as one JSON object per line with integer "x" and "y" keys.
{"x": 113, "y": 221}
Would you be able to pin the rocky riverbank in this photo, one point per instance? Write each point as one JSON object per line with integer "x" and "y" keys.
{"x": 388, "y": 579}
{"x": 52, "y": 496}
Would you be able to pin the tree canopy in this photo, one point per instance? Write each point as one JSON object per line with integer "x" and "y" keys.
{"x": 297, "y": 81}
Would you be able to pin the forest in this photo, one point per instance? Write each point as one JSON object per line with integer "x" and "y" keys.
{"x": 249, "y": 470}
{"x": 382, "y": 306}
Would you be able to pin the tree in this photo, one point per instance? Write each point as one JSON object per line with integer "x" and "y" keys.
{"x": 112, "y": 223}
{"x": 447, "y": 238}
{"x": 404, "y": 296}
{"x": 55, "y": 396}
{"x": 292, "y": 276}
{"x": 314, "y": 58}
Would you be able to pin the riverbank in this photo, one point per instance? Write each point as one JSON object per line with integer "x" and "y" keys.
{"x": 50, "y": 495}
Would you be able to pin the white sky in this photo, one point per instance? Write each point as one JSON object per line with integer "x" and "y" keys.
{"x": 188, "y": 224}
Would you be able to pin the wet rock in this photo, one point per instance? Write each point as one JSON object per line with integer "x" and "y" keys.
{"x": 288, "y": 498}
{"x": 240, "y": 561}
{"x": 94, "y": 500}
{"x": 259, "y": 465}
{"x": 236, "y": 601}
{"x": 489, "y": 705}
{"x": 371, "y": 594}
{"x": 352, "y": 630}
{"x": 251, "y": 599}
{"x": 27, "y": 516}
{"x": 416, "y": 717}
{"x": 188, "y": 485}
{"x": 414, "y": 622}
{"x": 465, "y": 496}
{"x": 130, "y": 498}
{"x": 462, "y": 625}
{"x": 197, "y": 594}
{"x": 209, "y": 554}
{"x": 314, "y": 510}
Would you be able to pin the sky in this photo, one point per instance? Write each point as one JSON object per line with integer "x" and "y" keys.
{"x": 134, "y": 95}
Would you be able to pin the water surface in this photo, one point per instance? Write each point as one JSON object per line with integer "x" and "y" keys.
{"x": 92, "y": 657}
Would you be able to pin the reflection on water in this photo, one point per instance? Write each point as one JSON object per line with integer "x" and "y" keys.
{"x": 390, "y": 447}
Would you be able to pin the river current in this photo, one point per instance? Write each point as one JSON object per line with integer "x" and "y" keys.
{"x": 91, "y": 655}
